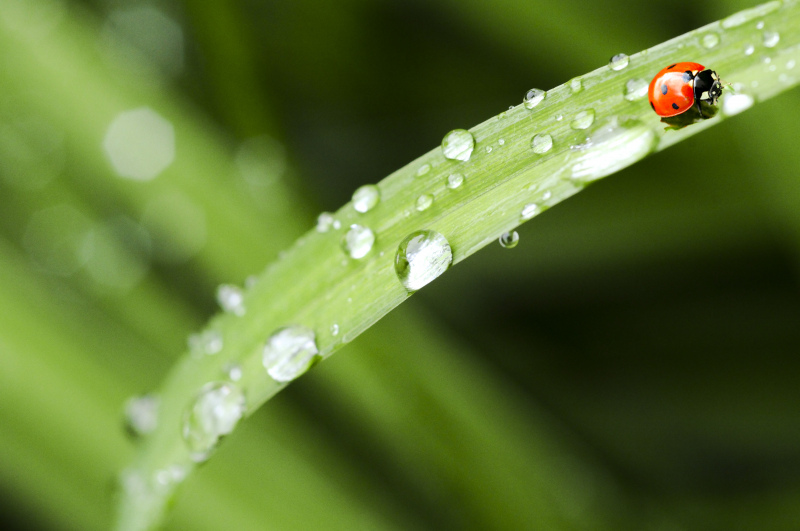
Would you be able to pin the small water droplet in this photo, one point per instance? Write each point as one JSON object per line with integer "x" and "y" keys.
{"x": 141, "y": 414}
{"x": 488, "y": 149}
{"x": 635, "y": 89}
{"x": 231, "y": 299}
{"x": 208, "y": 342}
{"x": 583, "y": 120}
{"x": 735, "y": 103}
{"x": 458, "y": 145}
{"x": 423, "y": 202}
{"x": 365, "y": 198}
{"x": 214, "y": 413}
{"x": 358, "y": 241}
{"x": 710, "y": 40}
{"x": 619, "y": 61}
{"x": 501, "y": 142}
{"x": 233, "y": 371}
{"x": 454, "y": 180}
{"x": 334, "y": 329}
{"x": 422, "y": 170}
{"x": 422, "y": 257}
{"x": 172, "y": 475}
{"x": 760, "y": 25}
{"x": 749, "y": 49}
{"x": 771, "y": 38}
{"x": 790, "y": 64}
{"x": 533, "y": 98}
{"x": 325, "y": 222}
{"x": 558, "y": 117}
{"x": 502, "y": 115}
{"x": 290, "y": 352}
{"x": 547, "y": 195}
{"x": 576, "y": 85}
{"x": 541, "y": 143}
{"x": 509, "y": 240}
{"x": 528, "y": 211}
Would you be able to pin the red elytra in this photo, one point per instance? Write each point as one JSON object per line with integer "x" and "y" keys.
{"x": 672, "y": 90}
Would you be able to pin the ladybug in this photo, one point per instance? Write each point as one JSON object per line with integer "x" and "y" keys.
{"x": 679, "y": 86}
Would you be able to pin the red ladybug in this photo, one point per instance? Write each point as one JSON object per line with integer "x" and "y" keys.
{"x": 679, "y": 86}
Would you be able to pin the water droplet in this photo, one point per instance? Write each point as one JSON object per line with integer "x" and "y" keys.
{"x": 208, "y": 342}
{"x": 583, "y": 120}
{"x": 528, "y": 211}
{"x": 488, "y": 149}
{"x": 454, "y": 180}
{"x": 422, "y": 170}
{"x": 233, "y": 370}
{"x": 334, "y": 329}
{"x": 231, "y": 299}
{"x": 424, "y": 201}
{"x": 214, "y": 413}
{"x": 358, "y": 241}
{"x": 771, "y": 38}
{"x": 541, "y": 143}
{"x": 790, "y": 64}
{"x": 635, "y": 89}
{"x": 533, "y": 98}
{"x": 613, "y": 145}
{"x": 366, "y": 197}
{"x": 140, "y": 144}
{"x": 558, "y": 117}
{"x": 421, "y": 258}
{"x": 172, "y": 475}
{"x": 760, "y": 25}
{"x": 735, "y": 103}
{"x": 710, "y": 40}
{"x": 547, "y": 195}
{"x": 502, "y": 115}
{"x": 509, "y": 240}
{"x": 749, "y": 49}
{"x": 619, "y": 61}
{"x": 325, "y": 222}
{"x": 290, "y": 352}
{"x": 458, "y": 145}
{"x": 141, "y": 414}
{"x": 576, "y": 85}
{"x": 501, "y": 142}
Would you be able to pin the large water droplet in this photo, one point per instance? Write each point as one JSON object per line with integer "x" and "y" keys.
{"x": 421, "y": 257}
{"x": 635, "y": 89}
{"x": 290, "y": 352}
{"x": 533, "y": 98}
{"x": 358, "y": 241}
{"x": 710, "y": 40}
{"x": 541, "y": 143}
{"x": 509, "y": 240}
{"x": 583, "y": 120}
{"x": 231, "y": 299}
{"x": 736, "y": 103}
{"x": 454, "y": 180}
{"x": 458, "y": 144}
{"x": 771, "y": 38}
{"x": 619, "y": 61}
{"x": 325, "y": 222}
{"x": 424, "y": 202}
{"x": 366, "y": 197}
{"x": 214, "y": 413}
{"x": 613, "y": 145}
{"x": 141, "y": 414}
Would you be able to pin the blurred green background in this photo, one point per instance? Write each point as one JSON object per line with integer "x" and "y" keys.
{"x": 631, "y": 364}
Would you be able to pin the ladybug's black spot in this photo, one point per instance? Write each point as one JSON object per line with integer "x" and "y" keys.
{"x": 664, "y": 89}
{"x": 670, "y": 67}
{"x": 675, "y": 106}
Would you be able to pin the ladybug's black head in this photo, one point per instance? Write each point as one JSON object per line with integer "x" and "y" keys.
{"x": 707, "y": 87}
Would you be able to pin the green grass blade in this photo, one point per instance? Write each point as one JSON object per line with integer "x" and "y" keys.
{"x": 317, "y": 286}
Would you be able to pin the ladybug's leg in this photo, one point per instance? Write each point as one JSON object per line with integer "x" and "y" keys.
{"x": 699, "y": 107}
